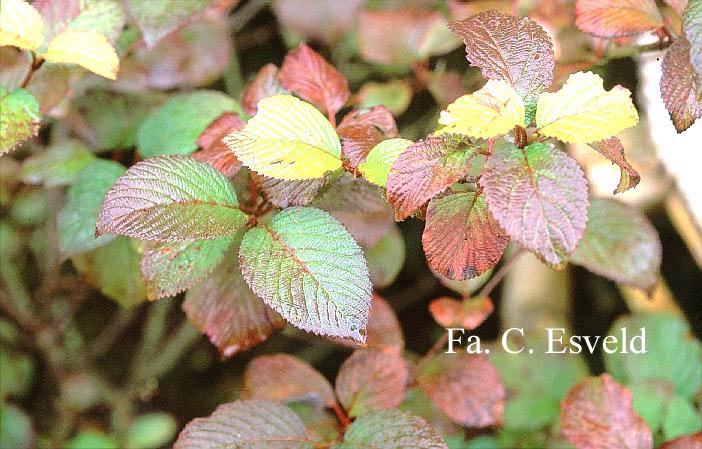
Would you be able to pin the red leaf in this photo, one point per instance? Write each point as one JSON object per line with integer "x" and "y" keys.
{"x": 283, "y": 193}
{"x": 615, "y": 18}
{"x": 383, "y": 331}
{"x": 360, "y": 130}
{"x": 464, "y": 386}
{"x": 613, "y": 150}
{"x": 685, "y": 442}
{"x": 307, "y": 74}
{"x": 282, "y": 377}
{"x": 539, "y": 197}
{"x": 266, "y": 84}
{"x": 508, "y": 48}
{"x": 213, "y": 150}
{"x": 370, "y": 380}
{"x": 678, "y": 86}
{"x": 598, "y": 414}
{"x": 461, "y": 239}
{"x": 425, "y": 169}
{"x": 232, "y": 316}
{"x": 468, "y": 314}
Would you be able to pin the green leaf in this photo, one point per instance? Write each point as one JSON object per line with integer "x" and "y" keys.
{"x": 391, "y": 429}
{"x": 287, "y": 139}
{"x": 620, "y": 244}
{"x": 91, "y": 439}
{"x": 174, "y": 127}
{"x": 681, "y": 419}
{"x": 17, "y": 372}
{"x": 76, "y": 221}
{"x": 650, "y": 400}
{"x": 306, "y": 266}
{"x": 385, "y": 258}
{"x": 16, "y": 430}
{"x": 252, "y": 424}
{"x": 151, "y": 431}
{"x": 171, "y": 268}
{"x": 171, "y": 199}
{"x": 58, "y": 165}
{"x": 157, "y": 19}
{"x": 530, "y": 412}
{"x": 106, "y": 17}
{"x": 378, "y": 162}
{"x": 673, "y": 354}
{"x": 19, "y": 118}
{"x": 395, "y": 95}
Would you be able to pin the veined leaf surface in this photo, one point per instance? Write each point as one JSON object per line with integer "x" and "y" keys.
{"x": 613, "y": 150}
{"x": 692, "y": 29}
{"x": 306, "y": 266}
{"x": 377, "y": 165}
{"x": 287, "y": 139}
{"x": 19, "y": 118}
{"x": 213, "y": 150}
{"x": 678, "y": 86}
{"x": 88, "y": 49}
{"x": 539, "y": 197}
{"x": 266, "y": 84}
{"x": 615, "y": 18}
{"x": 171, "y": 199}
{"x": 583, "y": 111}
{"x": 493, "y": 110}
{"x": 21, "y": 25}
{"x": 361, "y": 129}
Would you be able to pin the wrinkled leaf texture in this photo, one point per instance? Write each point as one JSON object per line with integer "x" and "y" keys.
{"x": 616, "y": 18}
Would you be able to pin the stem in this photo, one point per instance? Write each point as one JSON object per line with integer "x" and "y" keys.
{"x": 104, "y": 341}
{"x": 344, "y": 420}
{"x": 36, "y": 64}
{"x": 501, "y": 273}
{"x": 178, "y": 343}
{"x": 437, "y": 346}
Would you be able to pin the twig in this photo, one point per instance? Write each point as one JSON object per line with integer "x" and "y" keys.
{"x": 501, "y": 273}
{"x": 36, "y": 64}
{"x": 247, "y": 12}
{"x": 104, "y": 341}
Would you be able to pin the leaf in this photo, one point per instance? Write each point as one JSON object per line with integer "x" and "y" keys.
{"x": 19, "y": 118}
{"x": 21, "y": 25}
{"x": 287, "y": 139}
{"x": 106, "y": 17}
{"x": 171, "y": 268}
{"x": 464, "y": 386}
{"x": 16, "y": 428}
{"x": 493, "y": 110}
{"x": 266, "y": 84}
{"x": 76, "y": 221}
{"x": 252, "y": 424}
{"x": 171, "y": 199}
{"x": 538, "y": 195}
{"x": 359, "y": 206}
{"x": 361, "y": 129}
{"x": 317, "y": 20}
{"x": 384, "y": 332}
{"x": 88, "y": 49}
{"x": 615, "y": 18}
{"x": 151, "y": 430}
{"x": 114, "y": 270}
{"x": 597, "y": 414}
{"x": 620, "y": 244}
{"x": 386, "y": 258}
{"x": 305, "y": 73}
{"x": 682, "y": 418}
{"x": 613, "y": 150}
{"x": 391, "y": 429}
{"x": 678, "y": 86}
{"x": 175, "y": 127}
{"x": 225, "y": 308}
{"x": 461, "y": 239}
{"x": 513, "y": 49}
{"x": 583, "y": 111}
{"x": 468, "y": 314}
{"x": 380, "y": 159}
{"x": 285, "y": 378}
{"x": 692, "y": 29}
{"x": 283, "y": 193}
{"x": 673, "y": 354}
{"x": 395, "y": 95}
{"x": 213, "y": 151}
{"x": 425, "y": 169}
{"x": 370, "y": 380}
{"x": 685, "y": 442}
{"x": 58, "y": 165}
{"x": 158, "y": 19}
{"x": 306, "y": 266}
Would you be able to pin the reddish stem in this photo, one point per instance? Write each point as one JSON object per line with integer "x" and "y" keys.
{"x": 343, "y": 418}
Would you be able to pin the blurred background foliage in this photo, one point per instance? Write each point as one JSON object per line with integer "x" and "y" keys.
{"x": 85, "y": 362}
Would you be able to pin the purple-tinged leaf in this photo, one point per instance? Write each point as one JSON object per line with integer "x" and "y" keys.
{"x": 427, "y": 168}
{"x": 539, "y": 197}
{"x": 362, "y": 129}
{"x": 678, "y": 86}
{"x": 284, "y": 193}
{"x": 213, "y": 151}
{"x": 171, "y": 199}
{"x": 157, "y": 19}
{"x": 685, "y": 442}
{"x": 251, "y": 424}
{"x": 266, "y": 84}
{"x": 615, "y": 18}
{"x": 370, "y": 380}
{"x": 307, "y": 74}
{"x": 225, "y": 308}
{"x": 285, "y": 378}
{"x": 692, "y": 29}
{"x": 620, "y": 244}
{"x": 597, "y": 414}
{"x": 464, "y": 386}
{"x": 318, "y": 19}
{"x": 613, "y": 150}
{"x": 384, "y": 332}
{"x": 461, "y": 239}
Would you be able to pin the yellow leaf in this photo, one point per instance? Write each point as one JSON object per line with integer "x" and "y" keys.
{"x": 583, "y": 111}
{"x": 493, "y": 110}
{"x": 88, "y": 49}
{"x": 21, "y": 25}
{"x": 287, "y": 139}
